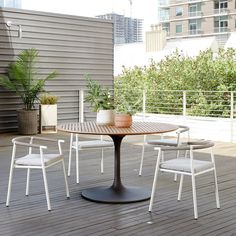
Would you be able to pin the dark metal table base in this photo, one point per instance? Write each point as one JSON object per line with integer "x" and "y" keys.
{"x": 117, "y": 192}
{"x": 109, "y": 195}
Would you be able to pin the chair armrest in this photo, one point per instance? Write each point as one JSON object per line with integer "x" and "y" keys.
{"x": 168, "y": 148}
{"x": 183, "y": 129}
{"x": 202, "y": 144}
{"x": 29, "y": 145}
{"x": 49, "y": 139}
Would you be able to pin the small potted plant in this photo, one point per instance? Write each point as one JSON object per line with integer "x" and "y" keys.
{"x": 48, "y": 113}
{"x": 101, "y": 101}
{"x": 22, "y": 78}
{"x": 125, "y": 107}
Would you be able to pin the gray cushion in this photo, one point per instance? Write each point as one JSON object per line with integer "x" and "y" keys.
{"x": 163, "y": 142}
{"x": 183, "y": 164}
{"x": 93, "y": 144}
{"x": 35, "y": 159}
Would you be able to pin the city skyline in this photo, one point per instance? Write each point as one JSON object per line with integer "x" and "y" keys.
{"x": 143, "y": 10}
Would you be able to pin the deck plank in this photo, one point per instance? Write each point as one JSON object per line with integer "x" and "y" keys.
{"x": 77, "y": 216}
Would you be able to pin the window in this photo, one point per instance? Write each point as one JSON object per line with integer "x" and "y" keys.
{"x": 221, "y": 24}
{"x": 178, "y": 28}
{"x": 179, "y": 11}
{"x": 164, "y": 14}
{"x": 166, "y": 27}
{"x": 164, "y": 2}
{"x": 194, "y": 26}
{"x": 221, "y": 4}
{"x": 195, "y": 9}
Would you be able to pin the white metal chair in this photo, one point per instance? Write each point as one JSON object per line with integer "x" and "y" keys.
{"x": 186, "y": 166}
{"x": 164, "y": 142}
{"x": 86, "y": 145}
{"x": 35, "y": 161}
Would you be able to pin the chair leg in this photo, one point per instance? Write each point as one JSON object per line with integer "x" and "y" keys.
{"x": 77, "y": 159}
{"x": 180, "y": 187}
{"x": 70, "y": 153}
{"x": 154, "y": 182}
{"x": 102, "y": 168}
{"x": 216, "y": 190}
{"x": 194, "y": 197}
{"x": 66, "y": 183}
{"x": 141, "y": 163}
{"x": 216, "y": 184}
{"x": 9, "y": 185}
{"x": 46, "y": 188}
{"x": 177, "y": 156}
{"x": 27, "y": 182}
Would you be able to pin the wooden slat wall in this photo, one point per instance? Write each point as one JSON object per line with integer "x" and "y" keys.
{"x": 73, "y": 46}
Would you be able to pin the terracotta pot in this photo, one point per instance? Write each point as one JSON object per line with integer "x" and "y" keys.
{"x": 27, "y": 121}
{"x": 123, "y": 120}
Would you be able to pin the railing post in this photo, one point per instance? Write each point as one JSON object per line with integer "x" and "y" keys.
{"x": 231, "y": 116}
{"x": 81, "y": 105}
{"x": 144, "y": 104}
{"x": 184, "y": 103}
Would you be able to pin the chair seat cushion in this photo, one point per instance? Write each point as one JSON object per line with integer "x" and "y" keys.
{"x": 163, "y": 142}
{"x": 93, "y": 144}
{"x": 183, "y": 164}
{"x": 35, "y": 159}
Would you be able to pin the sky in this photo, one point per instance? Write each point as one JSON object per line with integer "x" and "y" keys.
{"x": 143, "y": 9}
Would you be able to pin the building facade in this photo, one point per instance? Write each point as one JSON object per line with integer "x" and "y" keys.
{"x": 10, "y": 3}
{"x": 126, "y": 29}
{"x": 193, "y": 18}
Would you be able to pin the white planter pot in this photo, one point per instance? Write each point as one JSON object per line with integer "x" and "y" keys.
{"x": 48, "y": 118}
{"x": 105, "y": 117}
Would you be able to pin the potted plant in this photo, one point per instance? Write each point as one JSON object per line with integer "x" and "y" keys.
{"x": 101, "y": 101}
{"x": 125, "y": 107}
{"x": 23, "y": 79}
{"x": 48, "y": 113}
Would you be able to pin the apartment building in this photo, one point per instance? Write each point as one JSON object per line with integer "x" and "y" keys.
{"x": 126, "y": 29}
{"x": 197, "y": 18}
{"x": 10, "y": 3}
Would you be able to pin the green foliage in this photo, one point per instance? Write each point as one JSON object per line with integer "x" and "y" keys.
{"x": 205, "y": 72}
{"x": 22, "y": 78}
{"x": 48, "y": 99}
{"x": 100, "y": 98}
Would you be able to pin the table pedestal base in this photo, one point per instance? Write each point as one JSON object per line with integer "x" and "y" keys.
{"x": 110, "y": 195}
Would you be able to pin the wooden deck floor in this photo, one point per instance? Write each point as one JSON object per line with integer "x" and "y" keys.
{"x": 77, "y": 216}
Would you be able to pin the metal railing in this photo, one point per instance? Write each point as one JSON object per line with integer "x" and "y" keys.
{"x": 194, "y": 13}
{"x": 194, "y": 32}
{"x": 200, "y": 105}
{"x": 221, "y": 11}
{"x": 221, "y": 29}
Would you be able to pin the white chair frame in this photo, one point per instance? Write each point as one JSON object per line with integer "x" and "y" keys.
{"x": 77, "y": 148}
{"x": 18, "y": 142}
{"x": 192, "y": 146}
{"x": 164, "y": 142}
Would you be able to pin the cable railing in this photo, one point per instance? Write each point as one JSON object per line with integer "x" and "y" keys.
{"x": 187, "y": 104}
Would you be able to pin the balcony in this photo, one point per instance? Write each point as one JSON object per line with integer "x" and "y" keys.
{"x": 194, "y": 32}
{"x": 221, "y": 29}
{"x": 195, "y": 14}
{"x": 164, "y": 3}
{"x": 164, "y": 18}
{"x": 221, "y": 11}
{"x": 193, "y": 1}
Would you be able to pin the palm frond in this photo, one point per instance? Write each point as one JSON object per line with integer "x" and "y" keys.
{"x": 22, "y": 77}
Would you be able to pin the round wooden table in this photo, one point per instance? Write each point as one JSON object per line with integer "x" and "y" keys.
{"x": 117, "y": 192}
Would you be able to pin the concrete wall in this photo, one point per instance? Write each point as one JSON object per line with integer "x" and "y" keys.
{"x": 73, "y": 46}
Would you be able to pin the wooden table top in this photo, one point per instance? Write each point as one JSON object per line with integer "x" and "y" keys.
{"x": 137, "y": 128}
